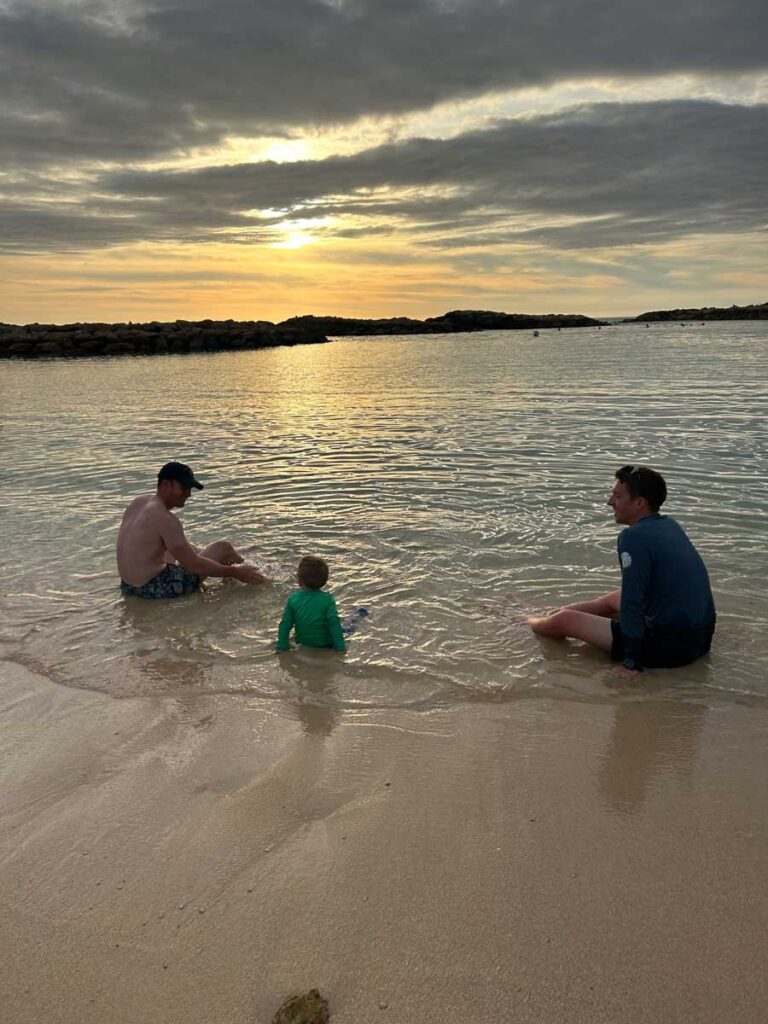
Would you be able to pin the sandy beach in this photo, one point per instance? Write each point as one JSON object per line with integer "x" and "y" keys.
{"x": 198, "y": 859}
{"x": 416, "y": 289}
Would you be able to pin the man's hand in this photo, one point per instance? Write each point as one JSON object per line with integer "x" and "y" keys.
{"x": 625, "y": 673}
{"x": 247, "y": 574}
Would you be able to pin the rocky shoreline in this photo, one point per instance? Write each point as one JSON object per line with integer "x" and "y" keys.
{"x": 454, "y": 322}
{"x": 755, "y": 312}
{"x": 47, "y": 341}
{"x": 52, "y": 341}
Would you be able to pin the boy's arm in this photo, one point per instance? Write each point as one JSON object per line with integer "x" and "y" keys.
{"x": 284, "y": 629}
{"x": 334, "y": 625}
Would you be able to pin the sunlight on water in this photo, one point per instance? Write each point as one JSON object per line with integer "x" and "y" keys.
{"x": 453, "y": 483}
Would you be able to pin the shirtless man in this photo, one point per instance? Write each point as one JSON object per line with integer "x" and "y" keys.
{"x": 664, "y": 614}
{"x": 154, "y": 557}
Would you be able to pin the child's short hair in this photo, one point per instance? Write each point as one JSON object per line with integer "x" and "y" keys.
{"x": 313, "y": 572}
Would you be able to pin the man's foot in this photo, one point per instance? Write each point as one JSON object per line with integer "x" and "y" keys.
{"x": 544, "y": 625}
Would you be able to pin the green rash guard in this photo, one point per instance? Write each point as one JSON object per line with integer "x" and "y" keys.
{"x": 314, "y": 616}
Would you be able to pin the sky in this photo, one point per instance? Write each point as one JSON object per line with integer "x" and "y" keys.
{"x": 261, "y": 159}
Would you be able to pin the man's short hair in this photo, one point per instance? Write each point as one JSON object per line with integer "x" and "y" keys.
{"x": 642, "y": 482}
{"x": 313, "y": 572}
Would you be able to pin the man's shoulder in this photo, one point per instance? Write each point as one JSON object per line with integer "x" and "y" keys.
{"x": 148, "y": 501}
{"x": 640, "y": 534}
{"x": 155, "y": 507}
{"x": 136, "y": 508}
{"x": 627, "y": 537}
{"x": 155, "y": 513}
{"x": 650, "y": 531}
{"x": 138, "y": 502}
{"x": 658, "y": 526}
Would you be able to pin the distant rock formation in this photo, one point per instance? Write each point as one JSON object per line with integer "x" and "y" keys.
{"x": 756, "y": 312}
{"x": 458, "y": 320}
{"x": 47, "y": 341}
{"x": 35, "y": 341}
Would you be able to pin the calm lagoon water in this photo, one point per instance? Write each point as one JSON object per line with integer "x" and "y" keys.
{"x": 452, "y": 482}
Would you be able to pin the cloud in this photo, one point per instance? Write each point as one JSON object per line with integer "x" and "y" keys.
{"x": 134, "y": 81}
{"x": 588, "y": 177}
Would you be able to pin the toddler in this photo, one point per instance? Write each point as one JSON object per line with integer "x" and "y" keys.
{"x": 311, "y": 611}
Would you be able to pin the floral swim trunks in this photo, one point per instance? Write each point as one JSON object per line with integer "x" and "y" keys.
{"x": 172, "y": 581}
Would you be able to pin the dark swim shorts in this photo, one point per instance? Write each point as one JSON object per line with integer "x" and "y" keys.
{"x": 666, "y": 648}
{"x": 173, "y": 581}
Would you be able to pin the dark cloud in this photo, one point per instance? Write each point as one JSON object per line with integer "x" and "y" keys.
{"x": 84, "y": 83}
{"x": 592, "y": 176}
{"x": 42, "y": 227}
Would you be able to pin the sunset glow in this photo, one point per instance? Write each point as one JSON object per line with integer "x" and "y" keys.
{"x": 446, "y": 173}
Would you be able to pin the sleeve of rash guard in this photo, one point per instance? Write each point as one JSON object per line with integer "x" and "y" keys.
{"x": 635, "y": 562}
{"x": 334, "y": 625}
{"x": 284, "y": 629}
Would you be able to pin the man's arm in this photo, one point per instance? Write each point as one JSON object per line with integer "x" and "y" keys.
{"x": 334, "y": 625}
{"x": 634, "y": 558}
{"x": 172, "y": 533}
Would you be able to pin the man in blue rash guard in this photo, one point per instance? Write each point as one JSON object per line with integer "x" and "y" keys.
{"x": 666, "y": 614}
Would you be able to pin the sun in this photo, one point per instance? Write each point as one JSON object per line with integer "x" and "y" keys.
{"x": 298, "y": 232}
{"x": 294, "y": 240}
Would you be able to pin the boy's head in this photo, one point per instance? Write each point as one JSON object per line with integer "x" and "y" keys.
{"x": 313, "y": 572}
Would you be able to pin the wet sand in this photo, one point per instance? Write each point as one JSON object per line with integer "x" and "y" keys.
{"x": 197, "y": 859}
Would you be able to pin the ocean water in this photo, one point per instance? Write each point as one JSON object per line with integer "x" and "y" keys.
{"x": 454, "y": 484}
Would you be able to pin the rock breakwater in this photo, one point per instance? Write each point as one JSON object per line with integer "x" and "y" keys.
{"x": 52, "y": 341}
{"x": 47, "y": 341}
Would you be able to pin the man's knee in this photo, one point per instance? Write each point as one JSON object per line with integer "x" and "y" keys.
{"x": 224, "y": 552}
{"x": 227, "y": 551}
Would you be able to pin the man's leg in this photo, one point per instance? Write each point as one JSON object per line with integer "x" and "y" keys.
{"x": 606, "y": 605}
{"x": 223, "y": 552}
{"x": 220, "y": 551}
{"x": 579, "y": 625}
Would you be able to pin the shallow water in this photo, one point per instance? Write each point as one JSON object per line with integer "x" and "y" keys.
{"x": 453, "y": 483}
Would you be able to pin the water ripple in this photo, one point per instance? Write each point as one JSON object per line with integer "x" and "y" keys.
{"x": 453, "y": 483}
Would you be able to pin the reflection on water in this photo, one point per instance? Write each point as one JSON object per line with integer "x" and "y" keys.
{"x": 649, "y": 740}
{"x": 452, "y": 483}
{"x": 313, "y": 674}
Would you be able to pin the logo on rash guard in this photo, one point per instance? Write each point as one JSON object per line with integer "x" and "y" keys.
{"x": 626, "y": 559}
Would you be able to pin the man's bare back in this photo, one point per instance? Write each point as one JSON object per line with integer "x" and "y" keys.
{"x": 151, "y": 538}
{"x": 141, "y": 550}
